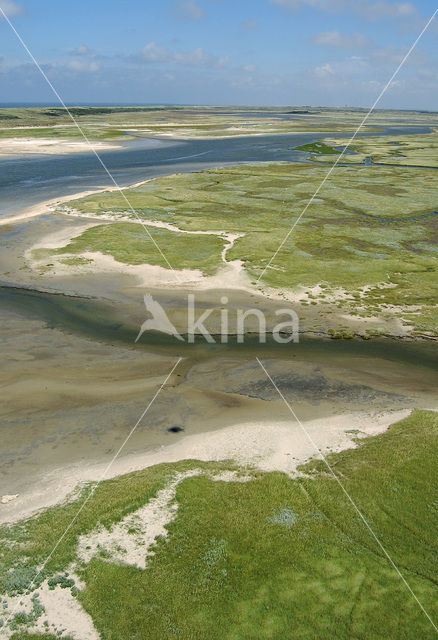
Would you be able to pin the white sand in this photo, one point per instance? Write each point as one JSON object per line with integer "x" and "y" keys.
{"x": 273, "y": 446}
{"x": 148, "y": 522}
{"x": 64, "y": 616}
{"x": 26, "y": 146}
{"x": 46, "y": 207}
{"x": 49, "y": 205}
{"x": 267, "y": 446}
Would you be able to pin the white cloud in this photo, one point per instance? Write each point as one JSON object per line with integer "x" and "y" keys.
{"x": 324, "y": 71}
{"x": 188, "y": 9}
{"x": 391, "y": 55}
{"x": 81, "y": 65}
{"x": 10, "y": 7}
{"x": 324, "y": 5}
{"x": 223, "y": 62}
{"x": 259, "y": 81}
{"x": 81, "y": 50}
{"x": 368, "y": 9}
{"x": 156, "y": 53}
{"x": 378, "y": 10}
{"x": 195, "y": 58}
{"x": 341, "y": 41}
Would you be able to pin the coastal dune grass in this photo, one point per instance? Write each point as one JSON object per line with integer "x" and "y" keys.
{"x": 275, "y": 557}
{"x": 25, "y": 546}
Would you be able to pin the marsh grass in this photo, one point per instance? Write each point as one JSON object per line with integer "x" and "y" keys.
{"x": 323, "y": 577}
{"x": 319, "y": 148}
{"x": 368, "y": 227}
{"x": 411, "y": 150}
{"x": 129, "y": 243}
{"x": 22, "y": 635}
{"x": 112, "y": 122}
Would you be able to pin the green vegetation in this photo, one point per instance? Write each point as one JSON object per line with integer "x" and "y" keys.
{"x": 26, "y": 545}
{"x": 130, "y": 244}
{"x": 318, "y": 147}
{"x": 73, "y": 261}
{"x": 69, "y": 131}
{"x": 37, "y": 636}
{"x": 410, "y": 150}
{"x": 371, "y": 231}
{"x": 271, "y": 558}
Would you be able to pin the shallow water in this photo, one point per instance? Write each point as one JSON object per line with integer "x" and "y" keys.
{"x": 29, "y": 180}
{"x": 95, "y": 319}
{"x": 74, "y": 384}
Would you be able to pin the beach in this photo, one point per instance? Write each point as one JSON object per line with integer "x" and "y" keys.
{"x": 11, "y": 147}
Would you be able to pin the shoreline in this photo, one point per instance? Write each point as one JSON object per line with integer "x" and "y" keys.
{"x": 267, "y": 446}
{"x": 45, "y": 207}
{"x": 230, "y": 277}
{"x": 23, "y": 147}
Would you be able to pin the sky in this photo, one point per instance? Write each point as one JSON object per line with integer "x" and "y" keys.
{"x": 235, "y": 52}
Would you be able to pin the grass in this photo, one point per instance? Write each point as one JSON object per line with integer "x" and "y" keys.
{"x": 129, "y": 243}
{"x": 318, "y": 147}
{"x": 411, "y": 150}
{"x": 367, "y": 227}
{"x": 26, "y": 545}
{"x": 75, "y": 261}
{"x": 22, "y": 635}
{"x": 234, "y": 567}
{"x": 274, "y": 557}
{"x": 66, "y": 132}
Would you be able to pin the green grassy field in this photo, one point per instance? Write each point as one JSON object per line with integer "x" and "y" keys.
{"x": 271, "y": 558}
{"x": 371, "y": 231}
{"x": 318, "y": 148}
{"x": 129, "y": 243}
{"x": 410, "y": 150}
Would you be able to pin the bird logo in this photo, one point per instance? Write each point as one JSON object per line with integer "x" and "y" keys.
{"x": 159, "y": 320}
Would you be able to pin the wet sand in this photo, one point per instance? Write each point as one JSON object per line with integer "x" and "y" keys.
{"x": 74, "y": 382}
{"x": 71, "y": 392}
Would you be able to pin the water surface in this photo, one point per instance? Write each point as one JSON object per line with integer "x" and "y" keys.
{"x": 29, "y": 180}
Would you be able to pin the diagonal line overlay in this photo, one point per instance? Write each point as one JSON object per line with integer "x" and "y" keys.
{"x": 93, "y": 490}
{"x": 87, "y": 140}
{"x": 350, "y": 499}
{"x": 383, "y": 91}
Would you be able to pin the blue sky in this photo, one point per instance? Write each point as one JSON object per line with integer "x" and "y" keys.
{"x": 260, "y": 52}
